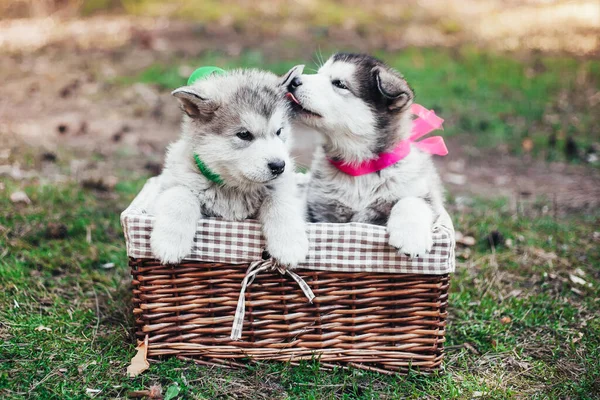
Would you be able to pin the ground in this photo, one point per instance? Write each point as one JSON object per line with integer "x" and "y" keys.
{"x": 82, "y": 127}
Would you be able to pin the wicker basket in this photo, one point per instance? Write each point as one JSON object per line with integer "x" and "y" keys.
{"x": 372, "y": 309}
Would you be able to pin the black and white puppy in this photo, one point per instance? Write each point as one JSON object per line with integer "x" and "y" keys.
{"x": 361, "y": 108}
{"x": 232, "y": 161}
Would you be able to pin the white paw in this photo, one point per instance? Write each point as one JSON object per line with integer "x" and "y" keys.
{"x": 170, "y": 246}
{"x": 290, "y": 250}
{"x": 414, "y": 239}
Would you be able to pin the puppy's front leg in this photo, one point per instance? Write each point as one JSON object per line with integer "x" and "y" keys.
{"x": 284, "y": 226}
{"x": 177, "y": 215}
{"x": 410, "y": 225}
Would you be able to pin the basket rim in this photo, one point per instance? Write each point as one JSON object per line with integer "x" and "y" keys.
{"x": 350, "y": 247}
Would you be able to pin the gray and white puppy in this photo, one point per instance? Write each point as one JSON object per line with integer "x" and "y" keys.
{"x": 361, "y": 107}
{"x": 238, "y": 126}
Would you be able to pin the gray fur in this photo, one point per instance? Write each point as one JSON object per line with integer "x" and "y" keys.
{"x": 216, "y": 110}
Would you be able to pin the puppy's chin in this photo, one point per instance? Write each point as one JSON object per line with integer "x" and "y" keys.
{"x": 250, "y": 178}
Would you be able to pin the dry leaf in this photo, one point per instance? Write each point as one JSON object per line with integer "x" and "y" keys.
{"x": 464, "y": 240}
{"x": 577, "y": 291}
{"x": 506, "y": 320}
{"x": 515, "y": 293}
{"x": 580, "y": 272}
{"x": 578, "y": 280}
{"x": 155, "y": 391}
{"x": 43, "y": 328}
{"x": 527, "y": 145}
{"x": 20, "y": 197}
{"x": 543, "y": 254}
{"x": 92, "y": 392}
{"x": 471, "y": 348}
{"x": 139, "y": 363}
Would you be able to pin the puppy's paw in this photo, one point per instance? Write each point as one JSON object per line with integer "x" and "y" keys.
{"x": 169, "y": 246}
{"x": 414, "y": 240}
{"x": 290, "y": 250}
{"x": 302, "y": 179}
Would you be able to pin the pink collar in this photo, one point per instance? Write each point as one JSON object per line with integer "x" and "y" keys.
{"x": 425, "y": 122}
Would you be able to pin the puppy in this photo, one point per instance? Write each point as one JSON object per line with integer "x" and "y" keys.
{"x": 232, "y": 161}
{"x": 361, "y": 107}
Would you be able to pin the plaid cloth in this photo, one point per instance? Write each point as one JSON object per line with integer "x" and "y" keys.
{"x": 353, "y": 247}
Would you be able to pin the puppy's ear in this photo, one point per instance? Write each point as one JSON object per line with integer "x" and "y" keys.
{"x": 291, "y": 74}
{"x": 393, "y": 87}
{"x": 194, "y": 104}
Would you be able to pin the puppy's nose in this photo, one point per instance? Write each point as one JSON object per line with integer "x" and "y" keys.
{"x": 294, "y": 84}
{"x": 277, "y": 167}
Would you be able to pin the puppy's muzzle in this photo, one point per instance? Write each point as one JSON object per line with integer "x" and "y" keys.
{"x": 277, "y": 167}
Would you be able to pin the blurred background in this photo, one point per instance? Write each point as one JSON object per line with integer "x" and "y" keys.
{"x": 516, "y": 81}
{"x": 86, "y": 115}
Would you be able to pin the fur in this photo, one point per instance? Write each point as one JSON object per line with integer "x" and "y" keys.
{"x": 238, "y": 125}
{"x": 361, "y": 107}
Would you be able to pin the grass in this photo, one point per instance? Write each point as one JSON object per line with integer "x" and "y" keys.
{"x": 490, "y": 100}
{"x": 519, "y": 326}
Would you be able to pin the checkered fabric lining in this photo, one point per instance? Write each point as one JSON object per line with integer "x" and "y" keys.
{"x": 352, "y": 247}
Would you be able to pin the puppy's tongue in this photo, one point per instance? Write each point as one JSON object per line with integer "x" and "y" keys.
{"x": 290, "y": 96}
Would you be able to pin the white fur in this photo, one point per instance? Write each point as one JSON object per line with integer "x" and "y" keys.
{"x": 349, "y": 119}
{"x": 410, "y": 225}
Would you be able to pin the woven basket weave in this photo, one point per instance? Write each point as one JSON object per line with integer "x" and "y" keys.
{"x": 372, "y": 309}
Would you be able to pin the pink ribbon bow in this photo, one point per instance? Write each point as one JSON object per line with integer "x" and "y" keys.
{"x": 425, "y": 122}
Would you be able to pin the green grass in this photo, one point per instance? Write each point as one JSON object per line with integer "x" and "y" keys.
{"x": 490, "y": 100}
{"x": 549, "y": 349}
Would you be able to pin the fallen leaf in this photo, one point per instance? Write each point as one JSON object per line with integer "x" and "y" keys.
{"x": 92, "y": 392}
{"x": 139, "y": 363}
{"x": 467, "y": 241}
{"x": 574, "y": 340}
{"x": 20, "y": 197}
{"x": 527, "y": 145}
{"x": 580, "y": 272}
{"x": 172, "y": 392}
{"x": 43, "y": 328}
{"x": 578, "y": 280}
{"x": 470, "y": 347}
{"x": 543, "y": 254}
{"x": 577, "y": 291}
{"x": 155, "y": 391}
{"x": 506, "y": 320}
{"x": 515, "y": 293}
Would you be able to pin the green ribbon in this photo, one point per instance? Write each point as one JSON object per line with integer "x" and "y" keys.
{"x": 207, "y": 172}
{"x": 202, "y": 73}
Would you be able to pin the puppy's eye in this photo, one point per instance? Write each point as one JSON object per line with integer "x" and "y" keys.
{"x": 339, "y": 84}
{"x": 278, "y": 131}
{"x": 245, "y": 135}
